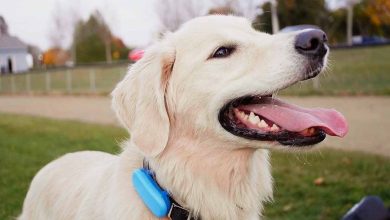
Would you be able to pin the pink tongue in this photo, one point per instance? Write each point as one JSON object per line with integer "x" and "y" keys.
{"x": 296, "y": 119}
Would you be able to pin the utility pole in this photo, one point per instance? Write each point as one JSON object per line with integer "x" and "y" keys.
{"x": 73, "y": 52}
{"x": 349, "y": 6}
{"x": 274, "y": 14}
{"x": 349, "y": 23}
{"x": 107, "y": 45}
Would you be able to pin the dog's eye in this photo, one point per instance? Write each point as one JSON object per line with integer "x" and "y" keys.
{"x": 223, "y": 52}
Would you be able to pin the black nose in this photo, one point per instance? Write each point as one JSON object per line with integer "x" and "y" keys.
{"x": 311, "y": 43}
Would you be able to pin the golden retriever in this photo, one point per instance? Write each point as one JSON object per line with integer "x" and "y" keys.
{"x": 200, "y": 110}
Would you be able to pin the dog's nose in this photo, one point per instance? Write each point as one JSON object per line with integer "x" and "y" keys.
{"x": 311, "y": 43}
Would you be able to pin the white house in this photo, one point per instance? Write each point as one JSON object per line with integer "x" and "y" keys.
{"x": 13, "y": 52}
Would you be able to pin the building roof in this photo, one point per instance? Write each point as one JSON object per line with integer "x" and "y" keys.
{"x": 9, "y": 42}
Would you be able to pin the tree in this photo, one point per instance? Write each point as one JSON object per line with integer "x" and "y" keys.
{"x": 292, "y": 12}
{"x": 295, "y": 12}
{"x": 173, "y": 13}
{"x": 249, "y": 8}
{"x": 3, "y": 26}
{"x": 55, "y": 57}
{"x": 94, "y": 41}
{"x": 35, "y": 53}
{"x": 349, "y": 7}
{"x": 88, "y": 44}
{"x": 105, "y": 35}
{"x": 64, "y": 20}
{"x": 370, "y": 18}
{"x": 377, "y": 13}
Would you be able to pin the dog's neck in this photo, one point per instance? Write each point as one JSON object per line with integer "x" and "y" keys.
{"x": 215, "y": 182}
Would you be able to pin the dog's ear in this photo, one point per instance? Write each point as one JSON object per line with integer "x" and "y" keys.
{"x": 139, "y": 99}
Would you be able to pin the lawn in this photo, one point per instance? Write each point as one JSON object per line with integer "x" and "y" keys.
{"x": 27, "y": 143}
{"x": 358, "y": 71}
{"x": 81, "y": 80}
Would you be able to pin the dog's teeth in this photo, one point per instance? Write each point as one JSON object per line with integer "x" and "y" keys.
{"x": 262, "y": 124}
{"x": 253, "y": 119}
{"x": 275, "y": 128}
{"x": 256, "y": 120}
{"x": 241, "y": 114}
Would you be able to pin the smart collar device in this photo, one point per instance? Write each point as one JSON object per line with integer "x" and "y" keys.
{"x": 155, "y": 198}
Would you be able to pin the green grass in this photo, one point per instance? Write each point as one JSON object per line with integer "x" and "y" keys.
{"x": 348, "y": 176}
{"x": 28, "y": 143}
{"x": 360, "y": 71}
{"x": 106, "y": 77}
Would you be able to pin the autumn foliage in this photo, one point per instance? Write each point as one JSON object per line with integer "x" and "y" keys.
{"x": 55, "y": 57}
{"x": 379, "y": 12}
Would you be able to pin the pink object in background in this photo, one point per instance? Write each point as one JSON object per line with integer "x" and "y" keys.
{"x": 136, "y": 54}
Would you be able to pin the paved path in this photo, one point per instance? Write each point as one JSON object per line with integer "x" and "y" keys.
{"x": 93, "y": 109}
{"x": 368, "y": 117}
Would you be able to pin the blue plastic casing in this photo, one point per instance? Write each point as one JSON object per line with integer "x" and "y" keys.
{"x": 156, "y": 199}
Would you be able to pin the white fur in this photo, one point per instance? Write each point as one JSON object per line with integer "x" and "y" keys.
{"x": 169, "y": 102}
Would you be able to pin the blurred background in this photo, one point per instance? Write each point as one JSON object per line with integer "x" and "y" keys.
{"x": 60, "y": 59}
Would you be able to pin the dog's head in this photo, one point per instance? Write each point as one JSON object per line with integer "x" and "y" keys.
{"x": 214, "y": 78}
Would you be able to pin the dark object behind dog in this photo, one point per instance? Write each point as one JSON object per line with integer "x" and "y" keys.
{"x": 369, "y": 208}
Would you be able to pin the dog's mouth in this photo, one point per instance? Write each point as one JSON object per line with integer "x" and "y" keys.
{"x": 265, "y": 118}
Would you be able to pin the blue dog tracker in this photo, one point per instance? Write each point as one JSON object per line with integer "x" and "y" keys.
{"x": 155, "y": 198}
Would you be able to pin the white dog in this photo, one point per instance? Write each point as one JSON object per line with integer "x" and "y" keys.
{"x": 199, "y": 109}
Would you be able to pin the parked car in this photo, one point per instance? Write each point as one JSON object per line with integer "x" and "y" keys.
{"x": 369, "y": 40}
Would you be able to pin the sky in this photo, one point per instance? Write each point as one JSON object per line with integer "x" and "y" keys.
{"x": 32, "y": 20}
{"x": 134, "y": 21}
